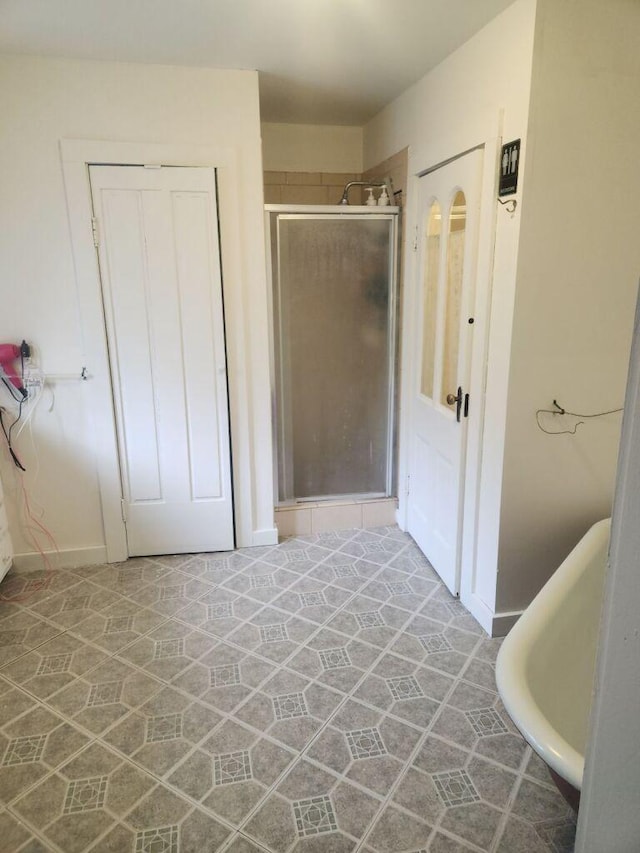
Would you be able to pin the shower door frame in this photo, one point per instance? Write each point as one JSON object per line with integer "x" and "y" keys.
{"x": 330, "y": 212}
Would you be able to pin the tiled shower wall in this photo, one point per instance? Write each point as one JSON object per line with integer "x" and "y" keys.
{"x": 327, "y": 187}
{"x": 394, "y": 167}
{"x": 308, "y": 187}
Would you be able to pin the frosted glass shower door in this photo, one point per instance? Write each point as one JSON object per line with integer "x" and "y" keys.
{"x": 333, "y": 307}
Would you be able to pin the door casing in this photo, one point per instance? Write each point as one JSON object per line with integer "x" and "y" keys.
{"x": 476, "y": 599}
{"x": 244, "y": 312}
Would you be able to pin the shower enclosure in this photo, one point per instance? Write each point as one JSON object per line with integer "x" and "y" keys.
{"x": 333, "y": 276}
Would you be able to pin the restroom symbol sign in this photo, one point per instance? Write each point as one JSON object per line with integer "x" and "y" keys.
{"x": 509, "y": 165}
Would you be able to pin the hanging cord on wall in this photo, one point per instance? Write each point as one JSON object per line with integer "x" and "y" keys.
{"x": 20, "y": 401}
{"x": 7, "y": 434}
{"x": 33, "y": 380}
{"x": 20, "y": 588}
{"x": 33, "y": 528}
{"x": 560, "y": 411}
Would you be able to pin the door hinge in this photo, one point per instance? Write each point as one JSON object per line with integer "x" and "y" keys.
{"x": 123, "y": 510}
{"x": 415, "y": 240}
{"x": 94, "y": 229}
{"x": 408, "y": 484}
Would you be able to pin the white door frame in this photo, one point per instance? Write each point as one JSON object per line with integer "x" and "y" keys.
{"x": 244, "y": 360}
{"x": 419, "y": 165}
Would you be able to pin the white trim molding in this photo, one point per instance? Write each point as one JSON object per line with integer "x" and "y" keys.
{"x": 421, "y": 162}
{"x": 246, "y": 321}
{"x": 495, "y": 624}
{"x": 69, "y": 558}
{"x": 504, "y": 622}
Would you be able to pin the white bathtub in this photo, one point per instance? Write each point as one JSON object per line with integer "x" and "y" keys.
{"x": 546, "y": 664}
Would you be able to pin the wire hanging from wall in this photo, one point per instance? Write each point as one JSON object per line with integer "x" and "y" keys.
{"x": 16, "y": 590}
{"x": 560, "y": 411}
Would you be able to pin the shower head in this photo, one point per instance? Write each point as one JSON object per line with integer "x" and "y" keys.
{"x": 345, "y": 193}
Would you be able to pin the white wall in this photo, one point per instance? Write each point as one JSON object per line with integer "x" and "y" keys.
{"x": 41, "y": 102}
{"x": 460, "y": 100}
{"x": 311, "y": 148}
{"x": 578, "y": 271}
{"x": 478, "y": 93}
{"x": 609, "y": 820}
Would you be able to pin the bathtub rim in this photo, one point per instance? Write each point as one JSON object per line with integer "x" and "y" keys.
{"x": 513, "y": 688}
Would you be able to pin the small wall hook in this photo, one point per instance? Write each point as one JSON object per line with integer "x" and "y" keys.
{"x": 510, "y": 204}
{"x": 84, "y": 375}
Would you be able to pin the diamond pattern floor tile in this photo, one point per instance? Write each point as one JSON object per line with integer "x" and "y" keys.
{"x": 324, "y": 694}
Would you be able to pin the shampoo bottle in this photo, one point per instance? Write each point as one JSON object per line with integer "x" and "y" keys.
{"x": 384, "y": 198}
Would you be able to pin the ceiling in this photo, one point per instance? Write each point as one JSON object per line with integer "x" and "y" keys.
{"x": 320, "y": 61}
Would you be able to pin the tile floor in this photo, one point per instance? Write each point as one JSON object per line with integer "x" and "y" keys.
{"x": 321, "y": 696}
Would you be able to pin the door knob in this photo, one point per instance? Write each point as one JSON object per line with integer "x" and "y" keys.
{"x": 451, "y": 399}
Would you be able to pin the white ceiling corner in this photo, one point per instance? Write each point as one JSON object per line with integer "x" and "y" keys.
{"x": 320, "y": 61}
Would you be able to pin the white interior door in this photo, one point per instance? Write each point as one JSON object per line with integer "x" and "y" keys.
{"x": 159, "y": 258}
{"x": 449, "y": 199}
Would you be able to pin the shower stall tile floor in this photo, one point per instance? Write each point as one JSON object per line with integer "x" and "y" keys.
{"x": 324, "y": 695}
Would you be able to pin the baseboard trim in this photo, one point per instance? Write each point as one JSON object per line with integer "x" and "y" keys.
{"x": 495, "y": 624}
{"x": 401, "y": 518}
{"x": 479, "y": 610}
{"x": 266, "y": 536}
{"x": 504, "y": 622}
{"x": 70, "y": 558}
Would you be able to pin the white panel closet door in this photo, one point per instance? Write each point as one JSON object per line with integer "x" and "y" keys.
{"x": 162, "y": 293}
